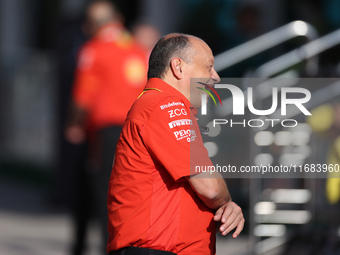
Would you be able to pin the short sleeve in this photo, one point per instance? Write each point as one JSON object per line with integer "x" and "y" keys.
{"x": 173, "y": 139}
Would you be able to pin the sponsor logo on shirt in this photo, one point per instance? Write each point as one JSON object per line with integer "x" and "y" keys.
{"x": 188, "y": 134}
{"x": 177, "y": 123}
{"x": 164, "y": 106}
{"x": 177, "y": 112}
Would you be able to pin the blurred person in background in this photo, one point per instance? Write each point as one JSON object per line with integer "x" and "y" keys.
{"x": 110, "y": 74}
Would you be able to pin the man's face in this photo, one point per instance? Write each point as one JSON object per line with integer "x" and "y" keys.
{"x": 201, "y": 67}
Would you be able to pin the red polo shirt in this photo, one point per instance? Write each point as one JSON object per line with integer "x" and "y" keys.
{"x": 150, "y": 203}
{"x": 110, "y": 75}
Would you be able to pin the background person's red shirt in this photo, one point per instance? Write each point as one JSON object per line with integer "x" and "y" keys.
{"x": 110, "y": 75}
{"x": 150, "y": 203}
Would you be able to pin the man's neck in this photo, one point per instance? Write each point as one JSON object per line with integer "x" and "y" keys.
{"x": 177, "y": 84}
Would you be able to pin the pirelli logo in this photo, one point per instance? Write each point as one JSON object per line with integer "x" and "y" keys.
{"x": 178, "y": 123}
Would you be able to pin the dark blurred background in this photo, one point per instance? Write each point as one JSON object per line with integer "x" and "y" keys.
{"x": 39, "y": 40}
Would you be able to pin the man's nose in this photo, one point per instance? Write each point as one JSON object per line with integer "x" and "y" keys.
{"x": 215, "y": 76}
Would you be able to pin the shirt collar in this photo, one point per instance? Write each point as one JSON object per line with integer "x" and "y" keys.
{"x": 156, "y": 83}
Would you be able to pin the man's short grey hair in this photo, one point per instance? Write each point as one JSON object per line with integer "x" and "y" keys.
{"x": 168, "y": 47}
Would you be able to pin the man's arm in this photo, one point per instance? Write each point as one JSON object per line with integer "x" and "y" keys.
{"x": 213, "y": 191}
{"x": 85, "y": 87}
{"x": 75, "y": 130}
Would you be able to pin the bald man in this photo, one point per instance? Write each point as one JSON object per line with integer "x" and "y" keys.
{"x": 110, "y": 75}
{"x": 156, "y": 204}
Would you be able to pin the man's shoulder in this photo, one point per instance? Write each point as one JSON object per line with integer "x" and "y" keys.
{"x": 97, "y": 45}
{"x": 107, "y": 48}
{"x": 153, "y": 102}
{"x": 89, "y": 50}
{"x": 89, "y": 44}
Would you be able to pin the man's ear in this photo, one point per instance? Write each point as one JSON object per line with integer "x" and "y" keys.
{"x": 176, "y": 66}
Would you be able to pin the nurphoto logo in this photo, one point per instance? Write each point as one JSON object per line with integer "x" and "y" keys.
{"x": 238, "y": 106}
{"x": 208, "y": 92}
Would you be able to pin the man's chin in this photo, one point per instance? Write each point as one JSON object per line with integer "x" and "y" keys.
{"x": 197, "y": 105}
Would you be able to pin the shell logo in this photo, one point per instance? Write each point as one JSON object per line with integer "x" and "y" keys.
{"x": 134, "y": 69}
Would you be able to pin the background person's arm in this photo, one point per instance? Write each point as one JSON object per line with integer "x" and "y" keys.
{"x": 85, "y": 88}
